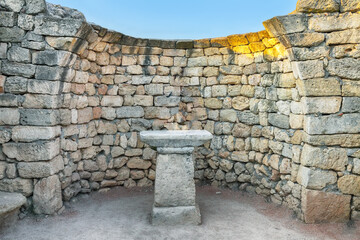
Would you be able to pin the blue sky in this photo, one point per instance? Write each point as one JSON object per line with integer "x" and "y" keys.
{"x": 180, "y": 19}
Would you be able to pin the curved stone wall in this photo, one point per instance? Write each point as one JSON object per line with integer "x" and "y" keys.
{"x": 283, "y": 105}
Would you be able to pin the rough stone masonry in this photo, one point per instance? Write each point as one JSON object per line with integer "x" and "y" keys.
{"x": 283, "y": 105}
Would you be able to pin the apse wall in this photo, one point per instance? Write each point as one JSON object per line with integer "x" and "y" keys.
{"x": 283, "y": 105}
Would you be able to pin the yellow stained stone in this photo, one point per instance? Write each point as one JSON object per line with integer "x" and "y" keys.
{"x": 241, "y": 49}
{"x": 237, "y": 39}
{"x": 253, "y": 37}
{"x": 264, "y": 34}
{"x": 220, "y": 42}
{"x": 257, "y": 47}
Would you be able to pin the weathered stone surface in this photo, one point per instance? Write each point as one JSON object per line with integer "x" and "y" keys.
{"x": 51, "y": 26}
{"x": 9, "y": 116}
{"x": 112, "y": 101}
{"x": 350, "y": 184}
{"x": 283, "y": 25}
{"x": 18, "y": 69}
{"x": 75, "y": 45}
{"x": 309, "y": 69}
{"x": 319, "y": 87}
{"x": 311, "y": 6}
{"x": 12, "y": 5}
{"x": 228, "y": 115}
{"x": 183, "y": 215}
{"x": 328, "y": 158}
{"x": 279, "y": 120}
{"x": 19, "y": 54}
{"x": 24, "y": 186}
{"x": 241, "y": 130}
{"x": 130, "y": 112}
{"x": 30, "y": 152}
{"x": 10, "y": 202}
{"x": 47, "y": 195}
{"x": 350, "y": 123}
{"x": 42, "y": 101}
{"x": 302, "y": 39}
{"x": 315, "y": 179}
{"x": 14, "y": 34}
{"x": 170, "y": 101}
{"x": 321, "y": 104}
{"x": 349, "y": 6}
{"x": 157, "y": 112}
{"x": 350, "y": 104}
{"x": 35, "y": 6}
{"x": 321, "y": 207}
{"x": 29, "y": 134}
{"x": 40, "y": 169}
{"x": 138, "y": 163}
{"x": 39, "y": 117}
{"x": 53, "y": 58}
{"x": 343, "y": 140}
{"x": 345, "y": 67}
{"x": 332, "y": 23}
{"x": 241, "y": 103}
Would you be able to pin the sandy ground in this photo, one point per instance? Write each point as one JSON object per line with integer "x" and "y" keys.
{"x": 124, "y": 214}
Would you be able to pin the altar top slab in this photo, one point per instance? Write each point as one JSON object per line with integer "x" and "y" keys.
{"x": 176, "y": 139}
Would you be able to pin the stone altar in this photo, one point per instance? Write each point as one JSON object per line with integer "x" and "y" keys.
{"x": 174, "y": 198}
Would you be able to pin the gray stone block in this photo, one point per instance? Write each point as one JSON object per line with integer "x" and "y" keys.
{"x": 9, "y": 116}
{"x": 345, "y": 68}
{"x": 350, "y": 123}
{"x": 53, "y": 58}
{"x": 14, "y": 34}
{"x": 35, "y": 6}
{"x": 23, "y": 186}
{"x": 47, "y": 196}
{"x": 19, "y": 54}
{"x": 30, "y": 152}
{"x": 44, "y": 87}
{"x": 8, "y": 100}
{"x": 40, "y": 169}
{"x": 171, "y": 101}
{"x": 16, "y": 85}
{"x": 30, "y": 134}
{"x": 279, "y": 120}
{"x": 12, "y": 5}
{"x": 7, "y": 19}
{"x": 39, "y": 117}
{"x": 351, "y": 104}
{"x": 51, "y": 26}
{"x": 19, "y": 69}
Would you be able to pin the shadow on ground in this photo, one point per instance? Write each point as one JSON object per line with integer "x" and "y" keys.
{"x": 124, "y": 214}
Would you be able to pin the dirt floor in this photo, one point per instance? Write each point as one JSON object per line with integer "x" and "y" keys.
{"x": 124, "y": 214}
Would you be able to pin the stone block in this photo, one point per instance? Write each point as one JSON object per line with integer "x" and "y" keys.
{"x": 19, "y": 54}
{"x": 304, "y": 54}
{"x": 351, "y": 88}
{"x": 311, "y": 6}
{"x": 319, "y": 87}
{"x": 40, "y": 169}
{"x": 349, "y": 184}
{"x": 14, "y": 6}
{"x": 61, "y": 27}
{"x": 138, "y": 163}
{"x": 14, "y": 34}
{"x": 309, "y": 69}
{"x": 279, "y": 120}
{"x": 39, "y": 117}
{"x": 8, "y": 100}
{"x": 350, "y": 104}
{"x": 112, "y": 101}
{"x": 141, "y": 80}
{"x": 164, "y": 101}
{"x": 27, "y": 22}
{"x": 315, "y": 179}
{"x": 53, "y": 58}
{"x": 30, "y": 134}
{"x": 332, "y": 124}
{"x": 72, "y": 44}
{"x": 349, "y": 6}
{"x": 287, "y": 24}
{"x": 302, "y": 39}
{"x": 241, "y": 130}
{"x": 47, "y": 198}
{"x": 332, "y": 23}
{"x": 18, "y": 69}
{"x": 228, "y": 115}
{"x": 324, "y": 207}
{"x": 193, "y": 72}
{"x": 157, "y": 112}
{"x": 130, "y": 112}
{"x": 16, "y": 85}
{"x": 23, "y": 186}
{"x": 30, "y": 152}
{"x": 44, "y": 87}
{"x": 325, "y": 105}
{"x": 143, "y": 100}
{"x": 54, "y": 73}
{"x": 9, "y": 116}
{"x": 324, "y": 158}
{"x": 42, "y": 101}
{"x": 346, "y": 68}
{"x": 35, "y": 6}
{"x": 7, "y": 19}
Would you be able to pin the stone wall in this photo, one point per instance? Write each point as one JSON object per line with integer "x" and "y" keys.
{"x": 283, "y": 105}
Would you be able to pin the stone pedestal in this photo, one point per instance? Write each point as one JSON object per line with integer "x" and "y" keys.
{"x": 174, "y": 200}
